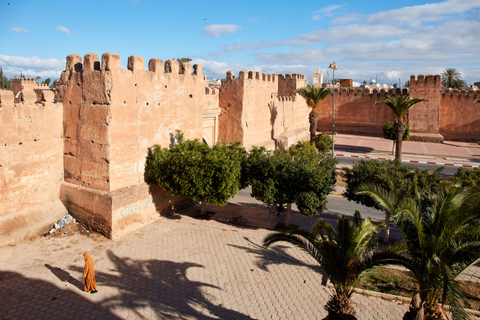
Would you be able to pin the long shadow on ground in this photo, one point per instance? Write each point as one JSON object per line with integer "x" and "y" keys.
{"x": 160, "y": 285}
{"x": 29, "y": 298}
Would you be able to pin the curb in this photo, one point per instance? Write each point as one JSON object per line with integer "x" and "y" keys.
{"x": 398, "y": 299}
{"x": 410, "y": 161}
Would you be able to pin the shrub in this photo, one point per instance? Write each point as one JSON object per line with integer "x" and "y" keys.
{"x": 389, "y": 134}
{"x": 323, "y": 143}
{"x": 404, "y": 181}
{"x": 467, "y": 177}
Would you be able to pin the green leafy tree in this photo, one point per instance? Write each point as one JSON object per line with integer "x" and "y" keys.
{"x": 194, "y": 170}
{"x": 400, "y": 105}
{"x": 323, "y": 143}
{"x": 450, "y": 77}
{"x": 440, "y": 243}
{"x": 403, "y": 181}
{"x": 4, "y": 82}
{"x": 407, "y": 84}
{"x": 300, "y": 175}
{"x": 344, "y": 253}
{"x": 389, "y": 133}
{"x": 47, "y": 81}
{"x": 313, "y": 97}
{"x": 180, "y": 60}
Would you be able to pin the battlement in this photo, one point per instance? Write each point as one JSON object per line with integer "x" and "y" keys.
{"x": 374, "y": 92}
{"x": 211, "y": 91}
{"x": 422, "y": 79}
{"x": 291, "y": 76}
{"x": 111, "y": 62}
{"x": 286, "y": 98}
{"x": 467, "y": 94}
{"x": 28, "y": 96}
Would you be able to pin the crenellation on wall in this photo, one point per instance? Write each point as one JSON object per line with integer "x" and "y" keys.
{"x": 459, "y": 115}
{"x": 112, "y": 116}
{"x": 155, "y": 65}
{"x": 136, "y": 64}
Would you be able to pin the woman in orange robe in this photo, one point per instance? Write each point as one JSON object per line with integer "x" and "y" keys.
{"x": 89, "y": 274}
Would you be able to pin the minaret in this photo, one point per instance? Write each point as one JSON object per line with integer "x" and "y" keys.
{"x": 317, "y": 78}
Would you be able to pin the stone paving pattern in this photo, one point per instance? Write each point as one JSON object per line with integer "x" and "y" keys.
{"x": 175, "y": 268}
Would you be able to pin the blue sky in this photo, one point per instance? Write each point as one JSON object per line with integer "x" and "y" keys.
{"x": 389, "y": 40}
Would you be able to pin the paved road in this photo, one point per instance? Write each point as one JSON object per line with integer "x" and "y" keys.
{"x": 336, "y": 205}
{"x": 448, "y": 171}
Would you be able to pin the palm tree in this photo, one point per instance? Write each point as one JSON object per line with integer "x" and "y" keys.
{"x": 440, "y": 243}
{"x": 344, "y": 253}
{"x": 450, "y": 76}
{"x": 313, "y": 97}
{"x": 400, "y": 105}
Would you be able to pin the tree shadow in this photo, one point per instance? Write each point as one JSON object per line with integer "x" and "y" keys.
{"x": 29, "y": 298}
{"x": 273, "y": 117}
{"x": 160, "y": 285}
{"x": 357, "y": 149}
{"x": 65, "y": 276}
{"x": 276, "y": 255}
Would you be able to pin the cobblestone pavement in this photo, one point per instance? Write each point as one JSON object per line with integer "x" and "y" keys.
{"x": 174, "y": 268}
{"x": 171, "y": 269}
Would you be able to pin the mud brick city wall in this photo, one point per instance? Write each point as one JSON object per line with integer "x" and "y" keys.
{"x": 86, "y": 152}
{"x": 355, "y": 111}
{"x": 254, "y": 112}
{"x": 452, "y": 115}
{"x": 31, "y": 163}
{"x": 112, "y": 116}
{"x": 459, "y": 115}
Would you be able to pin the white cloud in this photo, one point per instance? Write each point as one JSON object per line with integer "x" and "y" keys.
{"x": 64, "y": 30}
{"x": 325, "y": 12}
{"x": 31, "y": 66}
{"x": 19, "y": 29}
{"x": 217, "y": 30}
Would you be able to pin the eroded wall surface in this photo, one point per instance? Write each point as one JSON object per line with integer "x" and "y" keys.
{"x": 452, "y": 115}
{"x": 31, "y": 164}
{"x": 355, "y": 111}
{"x": 262, "y": 109}
{"x": 112, "y": 117}
{"x": 459, "y": 115}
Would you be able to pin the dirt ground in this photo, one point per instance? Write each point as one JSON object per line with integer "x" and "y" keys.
{"x": 402, "y": 283}
{"x": 341, "y": 181}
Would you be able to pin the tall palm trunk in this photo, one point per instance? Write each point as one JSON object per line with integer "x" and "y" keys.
{"x": 399, "y": 127}
{"x": 387, "y": 227}
{"x": 313, "y": 118}
{"x": 288, "y": 214}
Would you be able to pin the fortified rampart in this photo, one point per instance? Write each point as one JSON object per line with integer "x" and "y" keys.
{"x": 31, "y": 164}
{"x": 111, "y": 118}
{"x": 261, "y": 109}
{"x": 86, "y": 153}
{"x": 356, "y": 111}
{"x": 459, "y": 115}
{"x": 452, "y": 115}
{"x": 19, "y": 84}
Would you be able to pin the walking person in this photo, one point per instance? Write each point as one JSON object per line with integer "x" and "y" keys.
{"x": 89, "y": 274}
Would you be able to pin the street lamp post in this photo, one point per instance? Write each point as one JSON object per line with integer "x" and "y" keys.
{"x": 333, "y": 66}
